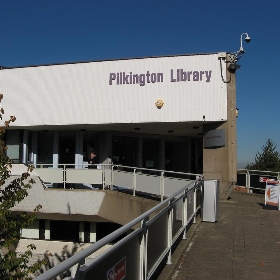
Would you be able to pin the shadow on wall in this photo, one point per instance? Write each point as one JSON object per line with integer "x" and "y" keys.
{"x": 53, "y": 260}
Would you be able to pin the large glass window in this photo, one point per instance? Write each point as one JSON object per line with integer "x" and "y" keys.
{"x": 125, "y": 150}
{"x": 151, "y": 148}
{"x": 13, "y": 145}
{"x": 64, "y": 230}
{"x": 91, "y": 142}
{"x": 45, "y": 148}
{"x": 67, "y": 147}
{"x": 177, "y": 156}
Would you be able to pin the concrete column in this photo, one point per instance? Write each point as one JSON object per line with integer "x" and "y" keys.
{"x": 92, "y": 235}
{"x": 189, "y": 160}
{"x": 34, "y": 146}
{"x": 25, "y": 146}
{"x": 81, "y": 232}
{"x": 55, "y": 149}
{"x": 79, "y": 150}
{"x": 140, "y": 152}
{"x": 162, "y": 154}
{"x": 221, "y": 163}
{"x": 47, "y": 230}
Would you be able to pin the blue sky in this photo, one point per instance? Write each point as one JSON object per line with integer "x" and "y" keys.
{"x": 45, "y": 32}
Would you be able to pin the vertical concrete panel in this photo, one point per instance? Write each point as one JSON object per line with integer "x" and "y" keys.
{"x": 47, "y": 230}
{"x": 92, "y": 235}
{"x": 220, "y": 163}
{"x": 81, "y": 232}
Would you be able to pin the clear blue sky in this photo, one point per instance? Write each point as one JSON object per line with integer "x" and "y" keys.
{"x": 58, "y": 31}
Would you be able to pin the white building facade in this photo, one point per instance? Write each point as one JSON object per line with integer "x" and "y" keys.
{"x": 147, "y": 112}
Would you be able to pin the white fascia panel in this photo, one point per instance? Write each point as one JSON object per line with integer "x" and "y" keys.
{"x": 107, "y": 92}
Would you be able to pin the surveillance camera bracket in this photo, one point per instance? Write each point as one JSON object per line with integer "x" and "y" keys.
{"x": 234, "y": 57}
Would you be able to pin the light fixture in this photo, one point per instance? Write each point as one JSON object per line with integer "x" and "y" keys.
{"x": 234, "y": 57}
{"x": 247, "y": 39}
{"x": 236, "y": 112}
{"x": 159, "y": 103}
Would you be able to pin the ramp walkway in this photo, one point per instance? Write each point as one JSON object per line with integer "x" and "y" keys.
{"x": 243, "y": 244}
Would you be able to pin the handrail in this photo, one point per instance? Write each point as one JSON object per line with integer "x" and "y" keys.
{"x": 253, "y": 172}
{"x": 68, "y": 263}
{"x": 157, "y": 170}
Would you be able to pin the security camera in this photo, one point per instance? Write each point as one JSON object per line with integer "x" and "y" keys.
{"x": 247, "y": 39}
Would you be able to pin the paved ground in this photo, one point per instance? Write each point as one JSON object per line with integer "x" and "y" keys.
{"x": 243, "y": 244}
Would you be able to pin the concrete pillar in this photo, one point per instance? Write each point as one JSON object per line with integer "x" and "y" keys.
{"x": 92, "y": 235}
{"x": 140, "y": 152}
{"x": 189, "y": 159}
{"x": 34, "y": 146}
{"x": 79, "y": 150}
{"x": 47, "y": 230}
{"x": 221, "y": 163}
{"x": 196, "y": 154}
{"x": 81, "y": 232}
{"x": 162, "y": 154}
{"x": 25, "y": 146}
{"x": 55, "y": 149}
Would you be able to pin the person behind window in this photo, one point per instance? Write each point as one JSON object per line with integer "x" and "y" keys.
{"x": 92, "y": 161}
{"x": 92, "y": 164}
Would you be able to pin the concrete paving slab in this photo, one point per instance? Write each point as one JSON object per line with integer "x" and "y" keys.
{"x": 243, "y": 244}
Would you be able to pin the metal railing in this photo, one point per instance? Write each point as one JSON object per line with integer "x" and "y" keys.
{"x": 152, "y": 181}
{"x": 141, "y": 251}
{"x": 70, "y": 174}
{"x": 255, "y": 180}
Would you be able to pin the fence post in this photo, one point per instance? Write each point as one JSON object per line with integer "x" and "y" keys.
{"x": 249, "y": 181}
{"x": 169, "y": 231}
{"x": 75, "y": 273}
{"x": 143, "y": 251}
{"x": 134, "y": 182}
{"x": 185, "y": 214}
{"x": 194, "y": 206}
{"x": 64, "y": 176}
{"x": 162, "y": 185}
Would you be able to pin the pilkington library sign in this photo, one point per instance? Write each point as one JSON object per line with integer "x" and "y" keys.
{"x": 178, "y": 75}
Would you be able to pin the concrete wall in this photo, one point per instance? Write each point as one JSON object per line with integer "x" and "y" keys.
{"x": 221, "y": 163}
{"x": 122, "y": 208}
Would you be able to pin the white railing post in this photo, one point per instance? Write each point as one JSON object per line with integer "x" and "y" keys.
{"x": 249, "y": 181}
{"x": 162, "y": 185}
{"x": 103, "y": 177}
{"x": 185, "y": 214}
{"x": 111, "y": 177}
{"x": 134, "y": 182}
{"x": 143, "y": 251}
{"x": 64, "y": 175}
{"x": 75, "y": 269}
{"x": 169, "y": 232}
{"x": 194, "y": 206}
